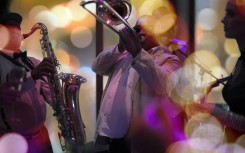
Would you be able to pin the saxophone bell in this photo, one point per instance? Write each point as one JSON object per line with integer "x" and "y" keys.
{"x": 64, "y": 89}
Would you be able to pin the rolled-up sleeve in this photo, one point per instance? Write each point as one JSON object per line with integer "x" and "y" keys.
{"x": 105, "y": 61}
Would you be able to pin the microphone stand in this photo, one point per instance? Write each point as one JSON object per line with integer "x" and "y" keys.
{"x": 202, "y": 68}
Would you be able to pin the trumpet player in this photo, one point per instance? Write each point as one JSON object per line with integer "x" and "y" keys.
{"x": 141, "y": 72}
{"x": 23, "y": 111}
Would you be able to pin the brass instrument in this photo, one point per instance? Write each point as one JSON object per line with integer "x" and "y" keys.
{"x": 65, "y": 98}
{"x": 112, "y": 13}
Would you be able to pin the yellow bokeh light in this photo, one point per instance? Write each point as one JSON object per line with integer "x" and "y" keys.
{"x": 78, "y": 13}
{"x": 63, "y": 15}
{"x": 231, "y": 48}
{"x": 149, "y": 5}
{"x": 230, "y": 63}
{"x": 62, "y": 56}
{"x": 36, "y": 10}
{"x": 48, "y": 18}
{"x": 196, "y": 75}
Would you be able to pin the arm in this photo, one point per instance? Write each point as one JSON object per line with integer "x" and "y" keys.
{"x": 158, "y": 74}
{"x": 230, "y": 119}
{"x": 105, "y": 61}
{"x": 39, "y": 76}
{"x": 227, "y": 118}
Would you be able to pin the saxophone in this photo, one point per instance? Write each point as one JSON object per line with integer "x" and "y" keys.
{"x": 65, "y": 98}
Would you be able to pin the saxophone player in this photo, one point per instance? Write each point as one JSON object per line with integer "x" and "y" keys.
{"x": 23, "y": 111}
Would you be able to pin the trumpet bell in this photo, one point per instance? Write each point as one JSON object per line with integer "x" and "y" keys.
{"x": 112, "y": 13}
{"x": 121, "y": 7}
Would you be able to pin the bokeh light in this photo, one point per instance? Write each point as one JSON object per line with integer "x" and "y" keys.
{"x": 231, "y": 48}
{"x": 87, "y": 73}
{"x": 204, "y": 127}
{"x": 208, "y": 41}
{"x": 78, "y": 13}
{"x": 148, "y": 6}
{"x": 17, "y": 142}
{"x": 62, "y": 56}
{"x": 81, "y": 37}
{"x": 229, "y": 148}
{"x": 207, "y": 19}
{"x": 36, "y": 9}
{"x": 230, "y": 63}
{"x": 63, "y": 15}
{"x": 48, "y": 18}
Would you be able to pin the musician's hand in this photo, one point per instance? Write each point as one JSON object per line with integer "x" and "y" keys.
{"x": 130, "y": 41}
{"x": 45, "y": 68}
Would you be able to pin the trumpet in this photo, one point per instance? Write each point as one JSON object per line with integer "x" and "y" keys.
{"x": 112, "y": 13}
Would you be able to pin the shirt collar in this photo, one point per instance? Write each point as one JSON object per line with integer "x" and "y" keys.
{"x": 9, "y": 52}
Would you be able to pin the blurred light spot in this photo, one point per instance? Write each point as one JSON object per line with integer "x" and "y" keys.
{"x": 199, "y": 34}
{"x": 63, "y": 15}
{"x": 241, "y": 141}
{"x": 209, "y": 41}
{"x": 74, "y": 63}
{"x": 81, "y": 37}
{"x": 204, "y": 59}
{"x": 64, "y": 68}
{"x": 231, "y": 48}
{"x": 149, "y": 5}
{"x": 218, "y": 72}
{"x": 13, "y": 143}
{"x": 205, "y": 128}
{"x": 203, "y": 62}
{"x": 180, "y": 147}
{"x": 229, "y": 148}
{"x": 78, "y": 12}
{"x": 47, "y": 18}
{"x": 36, "y": 10}
{"x": 4, "y": 39}
{"x": 62, "y": 56}
{"x": 88, "y": 74}
{"x": 207, "y": 19}
{"x": 62, "y": 45}
{"x": 230, "y": 63}
{"x": 164, "y": 24}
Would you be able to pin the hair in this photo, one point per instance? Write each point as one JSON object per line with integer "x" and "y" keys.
{"x": 239, "y": 5}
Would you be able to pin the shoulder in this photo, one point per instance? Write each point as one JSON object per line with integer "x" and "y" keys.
{"x": 164, "y": 52}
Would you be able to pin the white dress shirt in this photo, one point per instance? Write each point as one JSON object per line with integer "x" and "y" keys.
{"x": 133, "y": 83}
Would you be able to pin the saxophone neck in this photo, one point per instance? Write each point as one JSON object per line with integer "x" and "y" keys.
{"x": 34, "y": 28}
